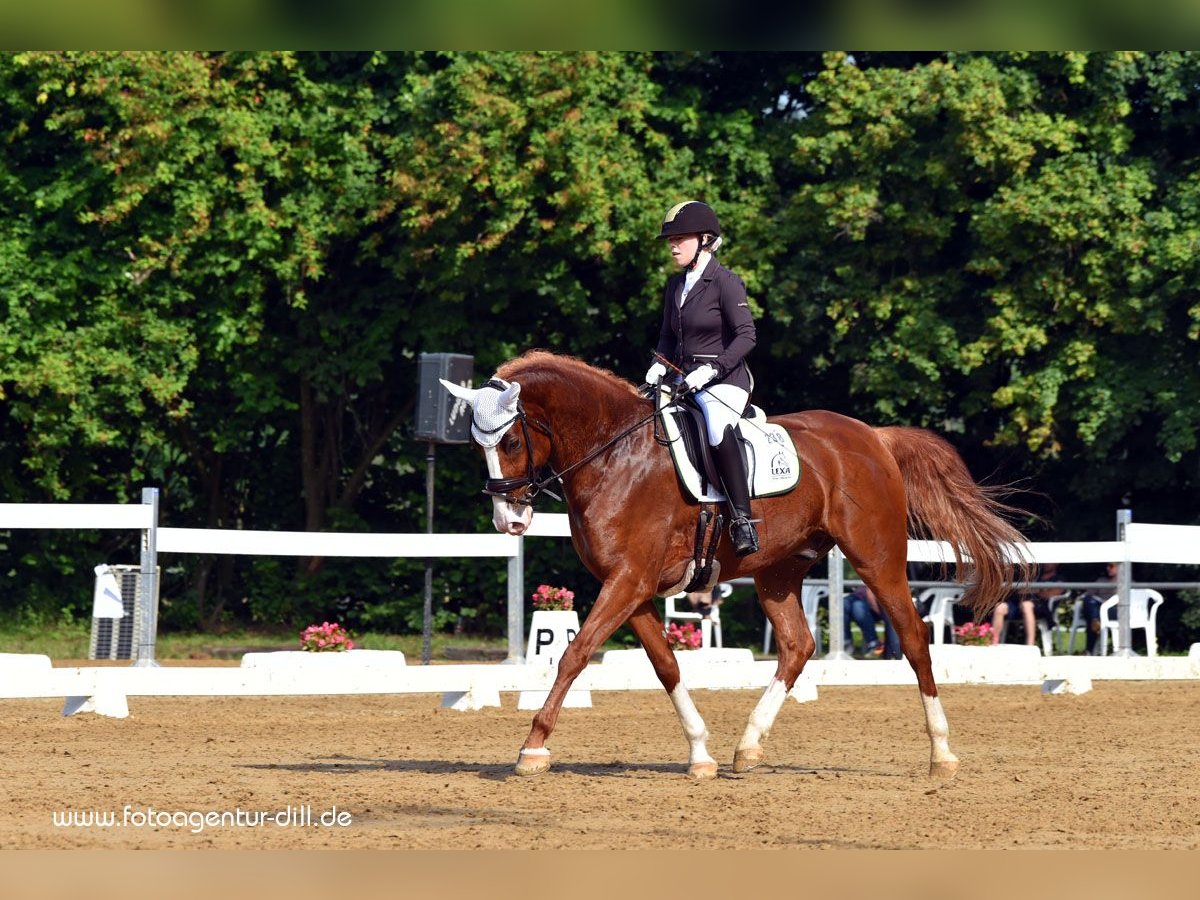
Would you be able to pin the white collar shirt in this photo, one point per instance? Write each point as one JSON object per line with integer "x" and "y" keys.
{"x": 693, "y": 275}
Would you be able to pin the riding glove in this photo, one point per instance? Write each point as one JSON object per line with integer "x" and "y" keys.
{"x": 700, "y": 377}
{"x": 655, "y": 373}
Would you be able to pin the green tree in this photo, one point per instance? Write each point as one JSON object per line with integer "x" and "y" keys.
{"x": 217, "y": 271}
{"x": 980, "y": 247}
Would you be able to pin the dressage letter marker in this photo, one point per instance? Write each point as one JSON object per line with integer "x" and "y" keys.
{"x": 550, "y": 633}
{"x": 546, "y": 644}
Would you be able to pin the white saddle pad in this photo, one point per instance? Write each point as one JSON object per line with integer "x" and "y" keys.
{"x": 772, "y": 464}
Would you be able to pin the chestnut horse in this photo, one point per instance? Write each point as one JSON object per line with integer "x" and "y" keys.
{"x": 545, "y": 415}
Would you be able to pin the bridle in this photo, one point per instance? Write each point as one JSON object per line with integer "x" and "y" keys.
{"x": 506, "y": 488}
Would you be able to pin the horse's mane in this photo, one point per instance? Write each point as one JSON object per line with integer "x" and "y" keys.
{"x": 537, "y": 362}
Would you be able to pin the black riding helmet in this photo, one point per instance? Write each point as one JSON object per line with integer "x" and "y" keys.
{"x": 690, "y": 217}
{"x": 693, "y": 217}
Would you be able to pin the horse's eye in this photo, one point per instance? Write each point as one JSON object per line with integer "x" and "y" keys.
{"x": 512, "y": 445}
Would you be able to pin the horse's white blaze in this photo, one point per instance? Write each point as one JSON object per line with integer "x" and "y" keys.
{"x": 939, "y": 730}
{"x": 693, "y": 726}
{"x": 507, "y": 518}
{"x": 764, "y": 715}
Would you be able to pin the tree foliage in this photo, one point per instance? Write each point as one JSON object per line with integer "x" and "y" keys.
{"x": 218, "y": 270}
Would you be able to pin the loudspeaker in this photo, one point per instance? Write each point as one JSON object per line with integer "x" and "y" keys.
{"x": 441, "y": 417}
{"x": 120, "y": 638}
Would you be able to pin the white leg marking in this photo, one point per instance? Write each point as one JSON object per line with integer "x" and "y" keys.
{"x": 764, "y": 715}
{"x": 939, "y": 730}
{"x": 535, "y": 751}
{"x": 693, "y": 726}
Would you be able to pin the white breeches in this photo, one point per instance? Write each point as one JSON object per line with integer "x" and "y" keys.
{"x": 723, "y": 405}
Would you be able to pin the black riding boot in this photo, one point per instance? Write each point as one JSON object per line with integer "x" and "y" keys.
{"x": 733, "y": 480}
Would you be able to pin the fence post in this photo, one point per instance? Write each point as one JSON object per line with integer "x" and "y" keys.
{"x": 837, "y": 620}
{"x": 1124, "y": 578}
{"x": 148, "y": 614}
{"x": 427, "y": 609}
{"x": 516, "y": 604}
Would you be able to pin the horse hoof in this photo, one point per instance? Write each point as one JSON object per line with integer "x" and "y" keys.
{"x": 943, "y": 770}
{"x": 532, "y": 763}
{"x": 745, "y": 760}
{"x": 702, "y": 771}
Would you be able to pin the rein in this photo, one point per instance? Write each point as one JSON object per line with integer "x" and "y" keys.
{"x": 505, "y": 487}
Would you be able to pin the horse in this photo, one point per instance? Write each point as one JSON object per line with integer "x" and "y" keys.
{"x": 546, "y": 418}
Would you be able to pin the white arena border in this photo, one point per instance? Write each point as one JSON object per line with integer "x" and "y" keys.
{"x": 105, "y": 689}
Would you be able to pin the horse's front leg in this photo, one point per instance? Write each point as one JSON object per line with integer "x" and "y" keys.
{"x": 648, "y": 626}
{"x": 614, "y": 605}
{"x": 777, "y": 592}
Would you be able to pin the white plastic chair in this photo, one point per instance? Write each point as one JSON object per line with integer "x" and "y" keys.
{"x": 710, "y": 625}
{"x": 941, "y": 610}
{"x": 1143, "y": 613}
{"x": 810, "y": 600}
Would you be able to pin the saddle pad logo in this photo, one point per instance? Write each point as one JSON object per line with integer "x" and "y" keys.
{"x": 781, "y": 466}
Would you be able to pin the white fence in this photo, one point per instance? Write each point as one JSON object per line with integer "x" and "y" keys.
{"x": 1140, "y": 543}
{"x": 1146, "y": 543}
{"x": 36, "y": 677}
{"x": 143, "y": 517}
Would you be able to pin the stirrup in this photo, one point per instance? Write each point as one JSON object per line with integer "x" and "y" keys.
{"x": 744, "y": 536}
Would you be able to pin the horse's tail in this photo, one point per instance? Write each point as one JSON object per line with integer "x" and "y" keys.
{"x": 945, "y": 503}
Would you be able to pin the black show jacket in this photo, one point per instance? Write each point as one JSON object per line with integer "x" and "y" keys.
{"x": 714, "y": 326}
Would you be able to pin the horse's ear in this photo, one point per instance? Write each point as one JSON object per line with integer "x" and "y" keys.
{"x": 459, "y": 391}
{"x": 508, "y": 397}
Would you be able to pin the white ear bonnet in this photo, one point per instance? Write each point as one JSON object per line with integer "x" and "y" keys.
{"x": 492, "y": 409}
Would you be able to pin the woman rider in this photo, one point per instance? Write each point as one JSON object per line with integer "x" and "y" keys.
{"x": 707, "y": 330}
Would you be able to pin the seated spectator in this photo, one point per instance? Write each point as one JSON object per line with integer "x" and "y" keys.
{"x": 703, "y": 602}
{"x": 862, "y": 607}
{"x": 1029, "y": 605}
{"x": 1091, "y": 607}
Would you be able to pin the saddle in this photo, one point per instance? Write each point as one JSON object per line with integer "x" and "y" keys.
{"x": 772, "y": 464}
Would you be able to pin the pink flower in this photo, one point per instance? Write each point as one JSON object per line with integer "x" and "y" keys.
{"x": 684, "y": 637}
{"x": 548, "y": 597}
{"x": 326, "y": 636}
{"x": 973, "y": 633}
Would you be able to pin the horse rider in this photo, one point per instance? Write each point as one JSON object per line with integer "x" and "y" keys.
{"x": 707, "y": 330}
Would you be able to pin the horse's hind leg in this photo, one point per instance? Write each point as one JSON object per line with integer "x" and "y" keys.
{"x": 890, "y": 585}
{"x": 778, "y": 592}
{"x": 648, "y": 626}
